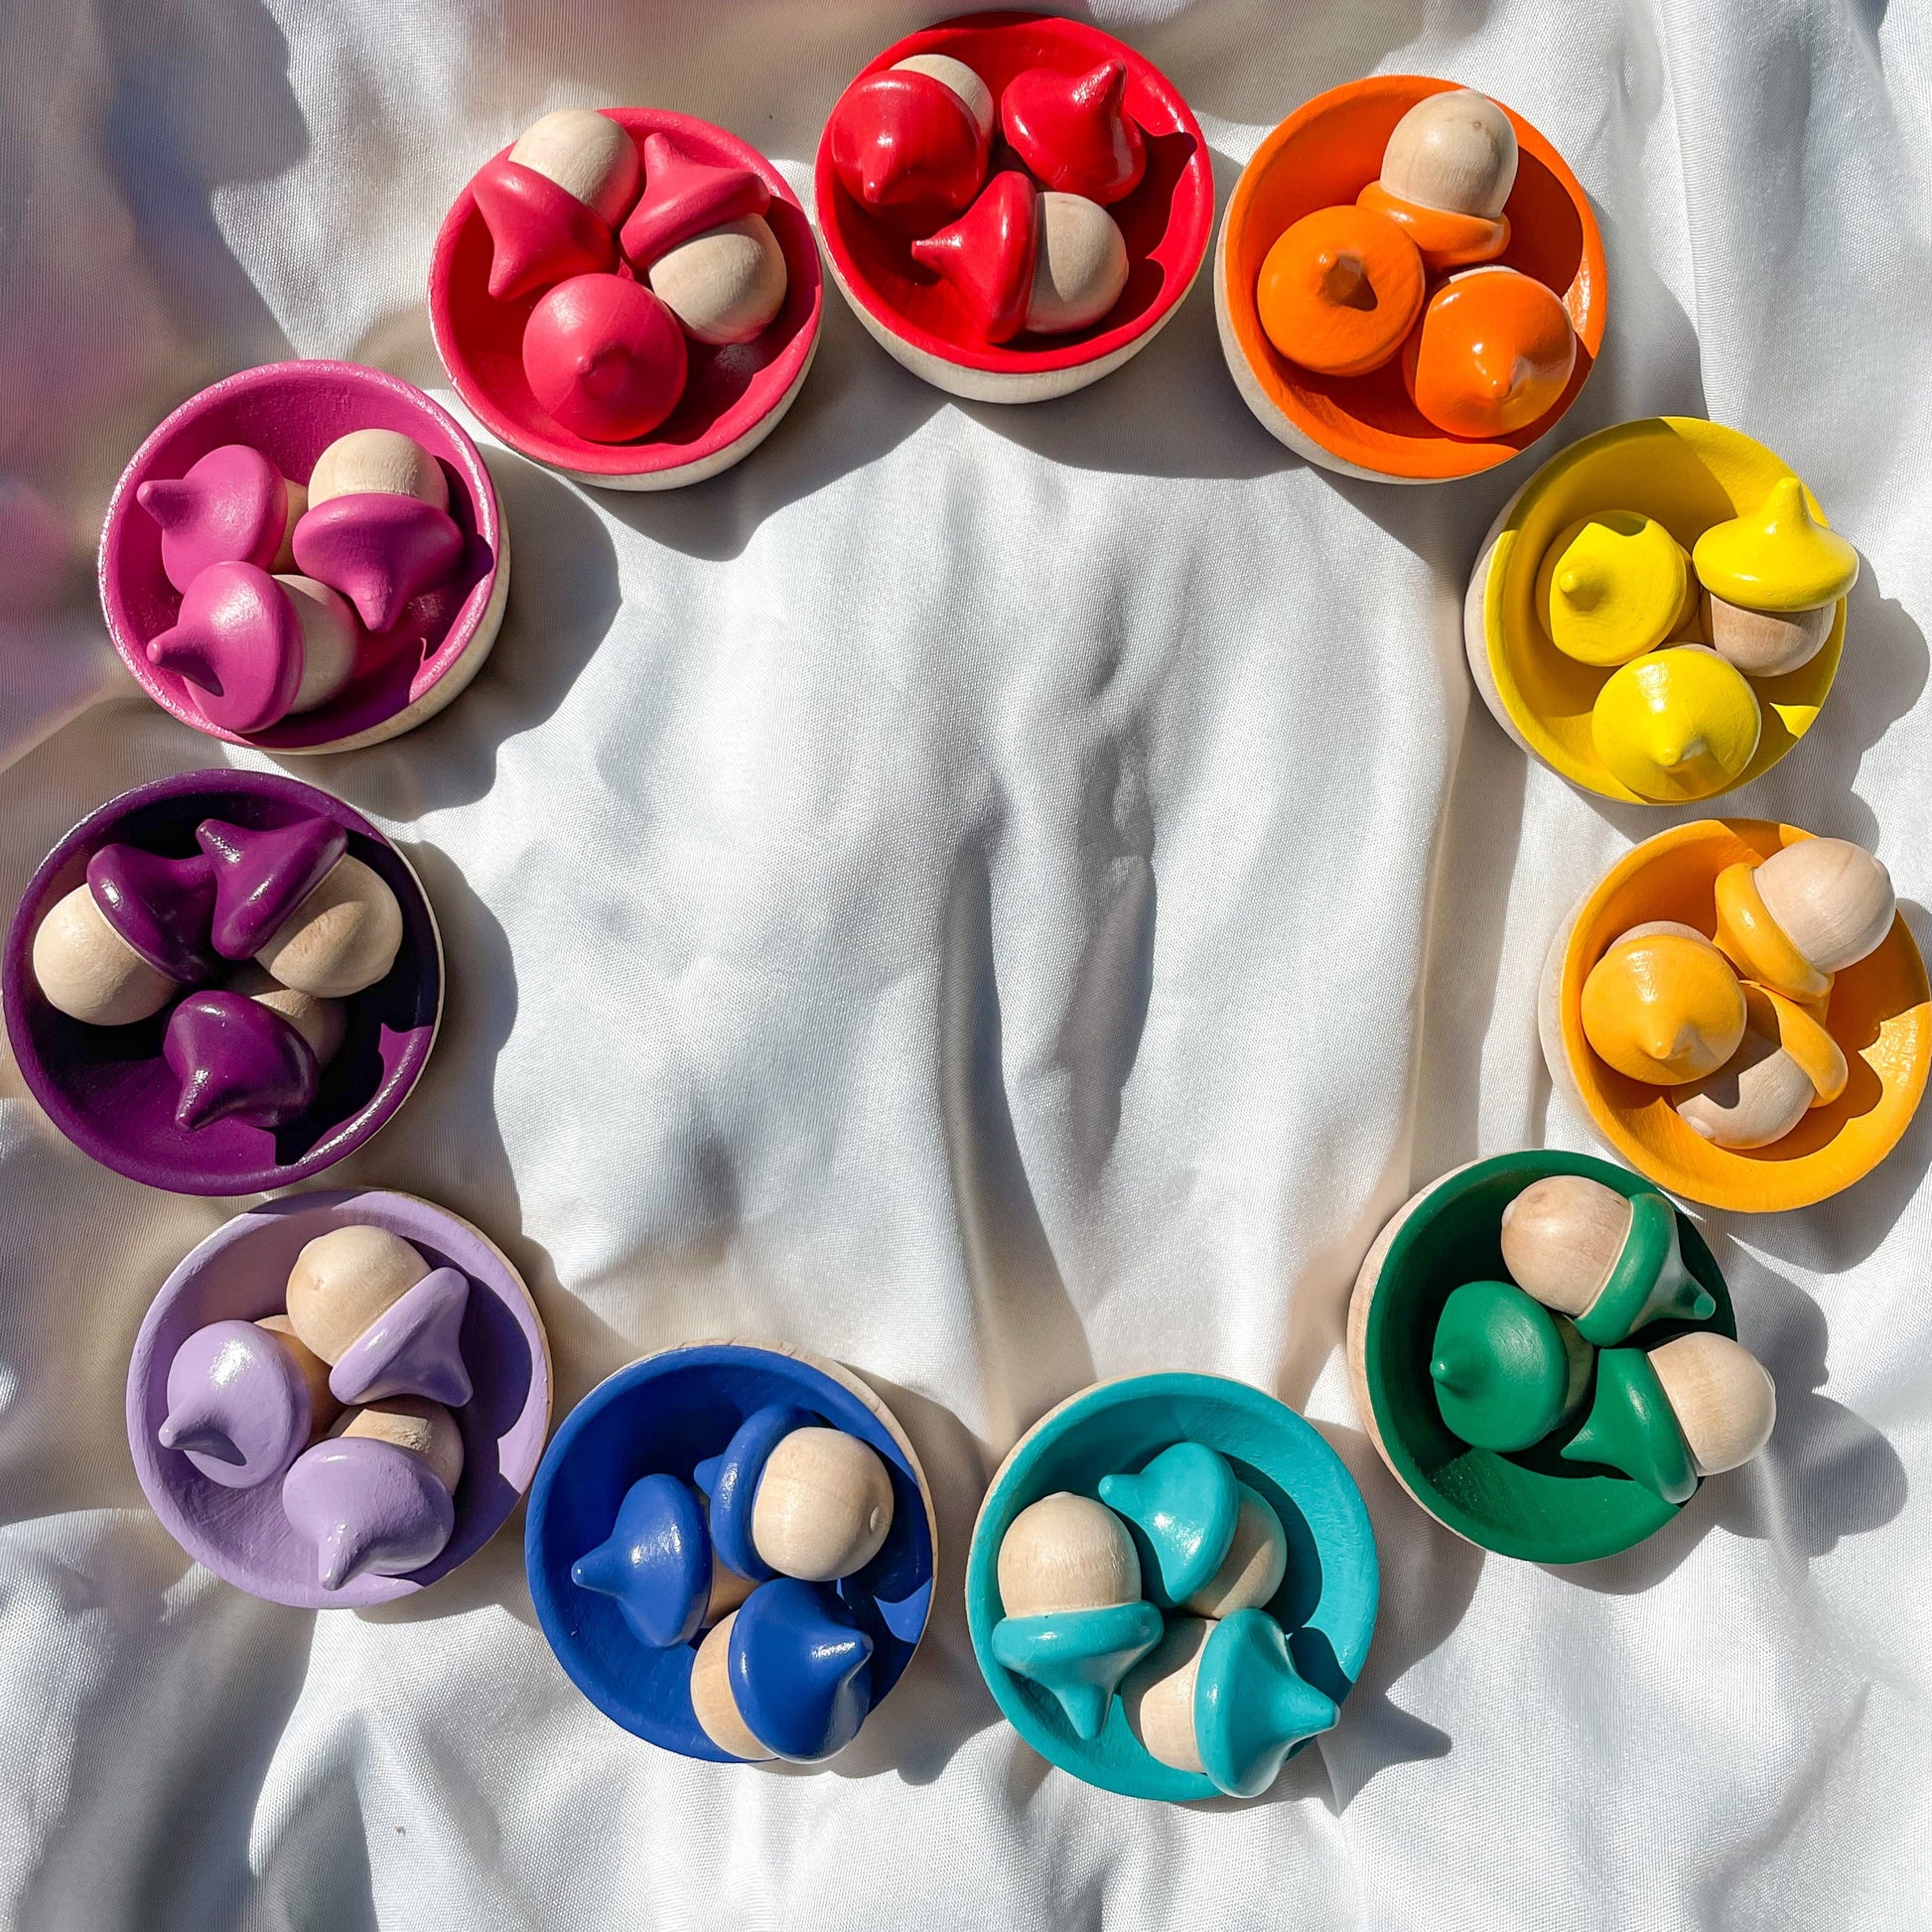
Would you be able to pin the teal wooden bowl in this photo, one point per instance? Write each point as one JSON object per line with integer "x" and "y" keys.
{"x": 1528, "y": 1503}
{"x": 1326, "y": 1600}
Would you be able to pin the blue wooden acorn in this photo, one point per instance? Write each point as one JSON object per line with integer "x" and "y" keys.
{"x": 1185, "y": 1504}
{"x": 657, "y": 1565}
{"x": 1071, "y": 1585}
{"x": 788, "y": 1673}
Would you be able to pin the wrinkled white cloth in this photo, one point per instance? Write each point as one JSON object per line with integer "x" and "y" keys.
{"x": 1002, "y": 898}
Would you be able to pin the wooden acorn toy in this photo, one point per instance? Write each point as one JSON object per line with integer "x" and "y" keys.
{"x": 295, "y": 900}
{"x": 1612, "y": 586}
{"x": 376, "y": 1494}
{"x": 1074, "y": 1620}
{"x": 658, "y": 1566}
{"x": 1495, "y": 351}
{"x": 245, "y": 1400}
{"x": 1774, "y": 579}
{"x": 1447, "y": 173}
{"x": 1217, "y": 1543}
{"x": 378, "y": 528}
{"x": 1663, "y": 1005}
{"x": 787, "y": 1674}
{"x": 698, "y": 236}
{"x": 911, "y": 142}
{"x": 1506, "y": 1370}
{"x": 1677, "y": 725}
{"x": 254, "y": 649}
{"x": 1804, "y": 915}
{"x": 1073, "y": 130}
{"x": 233, "y": 506}
{"x": 552, "y": 205}
{"x": 1340, "y": 290}
{"x": 1223, "y": 1698}
{"x": 790, "y": 1496}
{"x": 117, "y": 950}
{"x": 1608, "y": 1263}
{"x": 1786, "y": 1065}
{"x": 1024, "y": 259}
{"x": 237, "y": 1058}
{"x": 389, "y": 1325}
{"x": 605, "y": 357}
{"x": 1695, "y": 1407}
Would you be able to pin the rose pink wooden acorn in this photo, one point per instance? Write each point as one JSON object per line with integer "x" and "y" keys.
{"x": 911, "y": 142}
{"x": 232, "y": 506}
{"x": 117, "y": 948}
{"x": 1074, "y": 131}
{"x": 553, "y": 202}
{"x": 1024, "y": 259}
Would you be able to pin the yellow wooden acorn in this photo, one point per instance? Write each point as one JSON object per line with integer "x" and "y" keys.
{"x": 1663, "y": 1005}
{"x": 1677, "y": 725}
{"x": 1804, "y": 915}
{"x": 1787, "y": 1065}
{"x": 1612, "y": 586}
{"x": 1775, "y": 578}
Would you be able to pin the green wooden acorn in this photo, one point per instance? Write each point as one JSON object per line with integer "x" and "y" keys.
{"x": 1507, "y": 1371}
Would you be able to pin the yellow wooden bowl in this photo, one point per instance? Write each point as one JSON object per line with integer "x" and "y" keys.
{"x": 1685, "y": 474}
{"x": 1880, "y": 1013}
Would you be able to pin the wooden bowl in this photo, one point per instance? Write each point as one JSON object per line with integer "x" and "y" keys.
{"x": 1529, "y": 1503}
{"x": 291, "y": 412}
{"x": 1326, "y": 152}
{"x": 1880, "y": 1013}
{"x": 734, "y": 395}
{"x": 918, "y": 318}
{"x": 1688, "y": 475}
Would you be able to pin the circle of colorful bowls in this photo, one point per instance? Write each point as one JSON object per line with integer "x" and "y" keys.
{"x": 1327, "y": 1598}
{"x": 734, "y": 395}
{"x": 1326, "y": 153}
{"x": 1880, "y": 1013}
{"x": 291, "y": 412}
{"x": 107, "y": 1088}
{"x": 1530, "y": 1503}
{"x": 239, "y": 1274}
{"x": 664, "y": 1415}
{"x": 918, "y": 318}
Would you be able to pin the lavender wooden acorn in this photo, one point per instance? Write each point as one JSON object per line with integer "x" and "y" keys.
{"x": 116, "y": 948}
{"x": 244, "y": 1399}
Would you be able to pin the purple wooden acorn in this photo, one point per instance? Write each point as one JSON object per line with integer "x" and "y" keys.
{"x": 412, "y": 1348}
{"x": 115, "y": 949}
{"x": 237, "y": 1060}
{"x": 233, "y": 506}
{"x": 243, "y": 1400}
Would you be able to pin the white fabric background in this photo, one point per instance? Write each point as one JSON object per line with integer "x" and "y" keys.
{"x": 1002, "y": 898}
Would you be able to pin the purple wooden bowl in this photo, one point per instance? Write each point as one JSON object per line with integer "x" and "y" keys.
{"x": 107, "y": 1088}
{"x": 291, "y": 412}
{"x": 239, "y": 1274}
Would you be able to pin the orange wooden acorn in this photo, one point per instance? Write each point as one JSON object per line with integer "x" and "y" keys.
{"x": 1495, "y": 351}
{"x": 1340, "y": 290}
{"x": 1447, "y": 173}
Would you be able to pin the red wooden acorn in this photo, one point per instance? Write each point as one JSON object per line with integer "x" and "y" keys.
{"x": 1074, "y": 132}
{"x": 553, "y": 202}
{"x": 911, "y": 142}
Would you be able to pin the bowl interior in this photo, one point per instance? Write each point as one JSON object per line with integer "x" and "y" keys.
{"x": 665, "y": 1415}
{"x": 291, "y": 412}
{"x": 1165, "y": 221}
{"x": 1531, "y": 1503}
{"x": 1880, "y": 1013}
{"x": 108, "y": 1089}
{"x": 730, "y": 388}
{"x": 239, "y": 1272}
{"x": 1326, "y": 152}
{"x": 1685, "y": 474}
{"x": 1327, "y": 1598}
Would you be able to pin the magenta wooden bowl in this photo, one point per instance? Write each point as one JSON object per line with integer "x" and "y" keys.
{"x": 291, "y": 412}
{"x": 239, "y": 1274}
{"x": 107, "y": 1088}
{"x": 734, "y": 396}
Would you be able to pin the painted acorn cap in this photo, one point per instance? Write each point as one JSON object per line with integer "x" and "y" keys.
{"x": 1631, "y": 1426}
{"x": 232, "y": 506}
{"x": 800, "y": 1668}
{"x": 1074, "y": 131}
{"x": 989, "y": 254}
{"x": 262, "y": 874}
{"x": 731, "y": 1481}
{"x": 1252, "y": 1706}
{"x": 1080, "y": 1656}
{"x": 366, "y": 1505}
{"x": 1185, "y": 1503}
{"x": 655, "y": 1563}
{"x": 163, "y": 908}
{"x": 1506, "y": 1370}
{"x": 238, "y": 643}
{"x": 237, "y": 1060}
{"x": 1780, "y": 558}
{"x": 539, "y": 232}
{"x": 413, "y": 1348}
{"x": 684, "y": 197}
{"x": 380, "y": 550}
{"x": 1648, "y": 1281}
{"x": 238, "y": 1407}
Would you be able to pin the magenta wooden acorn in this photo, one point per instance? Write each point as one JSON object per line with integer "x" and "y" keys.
{"x": 1022, "y": 259}
{"x": 911, "y": 142}
{"x": 253, "y": 647}
{"x": 116, "y": 948}
{"x": 237, "y": 1060}
{"x": 232, "y": 506}
{"x": 552, "y": 205}
{"x": 1074, "y": 131}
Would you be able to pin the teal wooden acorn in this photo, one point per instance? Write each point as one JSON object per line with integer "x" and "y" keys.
{"x": 1694, "y": 1406}
{"x": 1070, "y": 1586}
{"x": 1507, "y": 1371}
{"x": 1216, "y": 1542}
{"x": 1608, "y": 1261}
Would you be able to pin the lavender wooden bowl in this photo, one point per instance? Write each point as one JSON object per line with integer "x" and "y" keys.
{"x": 291, "y": 412}
{"x": 107, "y": 1088}
{"x": 239, "y": 1272}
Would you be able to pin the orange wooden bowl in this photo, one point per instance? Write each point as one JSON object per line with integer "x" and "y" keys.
{"x": 1880, "y": 1013}
{"x": 1326, "y": 152}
